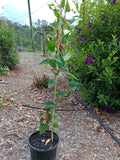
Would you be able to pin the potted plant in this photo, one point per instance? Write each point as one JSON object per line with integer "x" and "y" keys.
{"x": 43, "y": 143}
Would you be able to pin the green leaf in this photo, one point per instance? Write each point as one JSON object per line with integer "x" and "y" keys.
{"x": 49, "y": 117}
{"x": 52, "y": 94}
{"x": 56, "y": 112}
{"x": 69, "y": 93}
{"x": 62, "y": 92}
{"x": 40, "y": 33}
{"x": 56, "y": 29}
{"x": 65, "y": 38}
{"x": 70, "y": 75}
{"x": 60, "y": 61}
{"x": 50, "y": 6}
{"x": 65, "y": 22}
{"x": 63, "y": 3}
{"x": 56, "y": 73}
{"x": 67, "y": 56}
{"x": 67, "y": 9}
{"x": 74, "y": 85}
{"x": 55, "y": 119}
{"x": 51, "y": 45}
{"x": 52, "y": 63}
{"x": 51, "y": 83}
{"x": 41, "y": 120}
{"x": 50, "y": 104}
{"x": 45, "y": 61}
{"x": 56, "y": 13}
{"x": 34, "y": 29}
{"x": 41, "y": 114}
{"x": 57, "y": 58}
{"x": 55, "y": 127}
{"x": 43, "y": 127}
{"x": 63, "y": 62}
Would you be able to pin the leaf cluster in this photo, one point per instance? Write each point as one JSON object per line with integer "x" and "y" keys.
{"x": 56, "y": 64}
{"x": 8, "y": 53}
{"x": 99, "y": 23}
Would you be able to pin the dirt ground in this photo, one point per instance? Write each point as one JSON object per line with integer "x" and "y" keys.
{"x": 81, "y": 136}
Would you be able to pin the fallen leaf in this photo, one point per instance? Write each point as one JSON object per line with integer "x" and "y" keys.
{"x": 90, "y": 125}
{"x": 98, "y": 128}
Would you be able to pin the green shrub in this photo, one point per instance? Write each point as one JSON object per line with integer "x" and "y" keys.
{"x": 4, "y": 70}
{"x": 8, "y": 51}
{"x": 100, "y": 76}
{"x": 95, "y": 46}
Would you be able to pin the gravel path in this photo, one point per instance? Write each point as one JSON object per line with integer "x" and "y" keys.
{"x": 81, "y": 136}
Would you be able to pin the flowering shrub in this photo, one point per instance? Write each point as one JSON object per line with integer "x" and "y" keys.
{"x": 8, "y": 50}
{"x": 95, "y": 46}
{"x": 89, "y": 59}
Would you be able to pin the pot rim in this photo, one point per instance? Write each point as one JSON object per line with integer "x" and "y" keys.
{"x": 42, "y": 150}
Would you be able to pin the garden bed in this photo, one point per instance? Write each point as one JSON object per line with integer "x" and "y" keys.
{"x": 81, "y": 136}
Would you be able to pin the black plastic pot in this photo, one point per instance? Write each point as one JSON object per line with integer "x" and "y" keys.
{"x": 42, "y": 154}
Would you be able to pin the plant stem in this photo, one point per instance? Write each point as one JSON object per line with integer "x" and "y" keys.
{"x": 59, "y": 33}
{"x": 57, "y": 68}
{"x": 54, "y": 101}
{"x": 52, "y": 123}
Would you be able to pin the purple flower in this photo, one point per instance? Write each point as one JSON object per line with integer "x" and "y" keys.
{"x": 19, "y": 49}
{"x": 72, "y": 43}
{"x": 13, "y": 68}
{"x": 15, "y": 46}
{"x": 106, "y": 108}
{"x": 79, "y": 30}
{"x": 113, "y": 1}
{"x": 89, "y": 25}
{"x": 107, "y": 19}
{"x": 6, "y": 52}
{"x": 89, "y": 59}
{"x": 102, "y": 17}
{"x": 83, "y": 38}
{"x": 76, "y": 27}
{"x": 118, "y": 40}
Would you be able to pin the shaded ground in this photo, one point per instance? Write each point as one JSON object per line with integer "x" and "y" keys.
{"x": 81, "y": 136}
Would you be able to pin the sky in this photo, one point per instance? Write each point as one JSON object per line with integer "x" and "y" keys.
{"x": 17, "y": 10}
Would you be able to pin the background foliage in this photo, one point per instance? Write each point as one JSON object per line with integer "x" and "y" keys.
{"x": 95, "y": 47}
{"x": 8, "y": 50}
